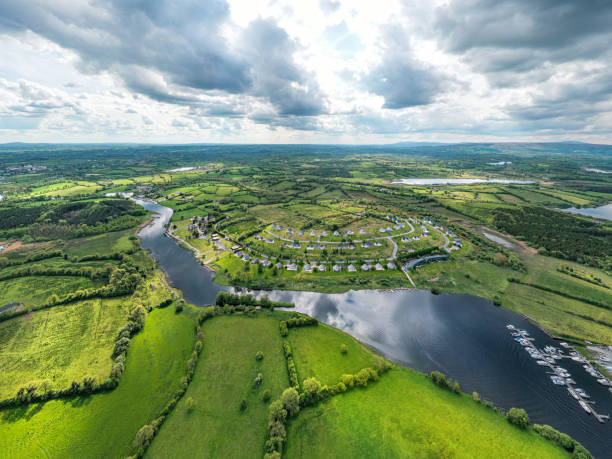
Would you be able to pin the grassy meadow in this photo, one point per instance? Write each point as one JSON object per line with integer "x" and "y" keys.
{"x": 103, "y": 425}
{"x": 216, "y": 427}
{"x": 60, "y": 345}
{"x": 405, "y": 415}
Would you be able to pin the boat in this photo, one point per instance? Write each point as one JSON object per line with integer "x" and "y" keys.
{"x": 570, "y": 381}
{"x": 585, "y": 407}
{"x": 557, "y": 380}
{"x": 564, "y": 344}
{"x": 582, "y": 393}
{"x": 541, "y": 362}
{"x": 573, "y": 393}
{"x": 604, "y": 382}
{"x": 510, "y": 327}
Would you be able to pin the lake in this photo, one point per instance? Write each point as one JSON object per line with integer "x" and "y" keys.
{"x": 604, "y": 212}
{"x": 455, "y": 181}
{"x": 461, "y": 335}
{"x": 499, "y": 240}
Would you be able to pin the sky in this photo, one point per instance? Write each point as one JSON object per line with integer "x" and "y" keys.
{"x": 317, "y": 71}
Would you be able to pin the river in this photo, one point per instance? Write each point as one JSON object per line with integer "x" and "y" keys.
{"x": 461, "y": 335}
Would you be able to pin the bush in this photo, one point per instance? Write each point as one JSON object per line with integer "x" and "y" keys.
{"x": 179, "y": 306}
{"x": 518, "y": 417}
{"x": 257, "y": 380}
{"x": 348, "y": 381}
{"x": 435, "y": 290}
{"x": 243, "y": 405}
{"x": 259, "y": 355}
{"x": 284, "y": 331}
{"x": 143, "y": 438}
{"x": 343, "y": 348}
{"x": 190, "y": 404}
{"x": 266, "y": 395}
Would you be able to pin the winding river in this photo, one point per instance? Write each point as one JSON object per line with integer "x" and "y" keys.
{"x": 461, "y": 335}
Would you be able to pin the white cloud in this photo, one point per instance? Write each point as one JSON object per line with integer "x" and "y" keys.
{"x": 284, "y": 71}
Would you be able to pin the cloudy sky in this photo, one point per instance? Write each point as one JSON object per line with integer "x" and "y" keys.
{"x": 318, "y": 71}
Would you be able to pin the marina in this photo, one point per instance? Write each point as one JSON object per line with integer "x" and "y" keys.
{"x": 549, "y": 356}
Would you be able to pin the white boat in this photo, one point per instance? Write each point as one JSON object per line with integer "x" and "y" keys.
{"x": 582, "y": 393}
{"x": 573, "y": 393}
{"x": 510, "y": 327}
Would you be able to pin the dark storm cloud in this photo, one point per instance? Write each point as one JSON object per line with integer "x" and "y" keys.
{"x": 520, "y": 35}
{"x": 400, "y": 78}
{"x": 156, "y": 47}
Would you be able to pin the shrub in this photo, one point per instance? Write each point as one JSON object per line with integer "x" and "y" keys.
{"x": 348, "y": 381}
{"x": 476, "y": 396}
{"x": 243, "y": 405}
{"x": 273, "y": 454}
{"x": 190, "y": 403}
{"x": 284, "y": 331}
{"x": 277, "y": 429}
{"x": 435, "y": 290}
{"x": 179, "y": 306}
{"x": 291, "y": 401}
{"x": 257, "y": 380}
{"x": 266, "y": 395}
{"x": 121, "y": 346}
{"x": 518, "y": 417}
{"x": 259, "y": 355}
{"x": 143, "y": 438}
{"x": 343, "y": 348}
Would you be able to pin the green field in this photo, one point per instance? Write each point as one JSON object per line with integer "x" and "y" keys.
{"x": 406, "y": 415}
{"x": 224, "y": 376}
{"x": 60, "y": 345}
{"x": 33, "y": 291}
{"x": 104, "y": 425}
{"x": 317, "y": 352}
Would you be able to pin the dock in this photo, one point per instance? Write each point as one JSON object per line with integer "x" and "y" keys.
{"x": 547, "y": 358}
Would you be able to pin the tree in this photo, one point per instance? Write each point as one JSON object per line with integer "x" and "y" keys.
{"x": 276, "y": 411}
{"x": 291, "y": 401}
{"x": 311, "y": 388}
{"x": 259, "y": 355}
{"x": 266, "y": 395}
{"x": 243, "y": 405}
{"x": 343, "y": 348}
{"x": 518, "y": 417}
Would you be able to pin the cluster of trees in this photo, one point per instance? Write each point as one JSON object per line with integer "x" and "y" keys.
{"x": 563, "y": 440}
{"x": 146, "y": 433}
{"x": 313, "y": 391}
{"x": 76, "y": 218}
{"x": 559, "y": 234}
{"x": 226, "y": 298}
{"x": 518, "y": 417}
{"x": 441, "y": 380}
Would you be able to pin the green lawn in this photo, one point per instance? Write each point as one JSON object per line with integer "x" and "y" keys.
{"x": 405, "y": 415}
{"x": 60, "y": 344}
{"x": 224, "y": 376}
{"x": 316, "y": 352}
{"x": 104, "y": 425}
